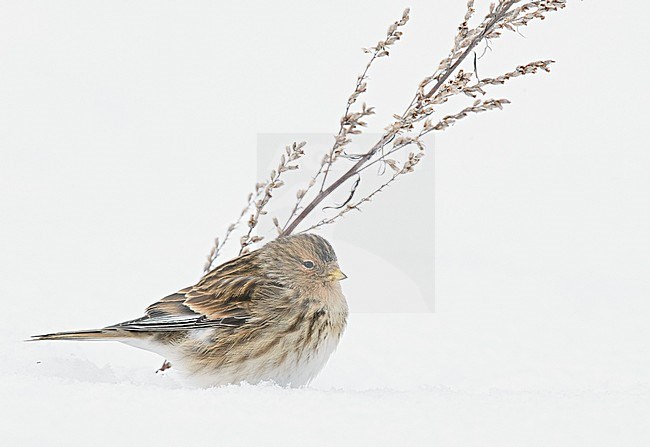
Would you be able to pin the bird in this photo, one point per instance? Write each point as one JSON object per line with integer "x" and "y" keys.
{"x": 275, "y": 314}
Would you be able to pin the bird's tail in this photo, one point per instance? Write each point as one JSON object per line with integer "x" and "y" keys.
{"x": 92, "y": 334}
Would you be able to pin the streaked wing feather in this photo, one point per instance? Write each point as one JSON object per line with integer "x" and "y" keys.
{"x": 228, "y": 290}
{"x": 156, "y": 324}
{"x": 222, "y": 298}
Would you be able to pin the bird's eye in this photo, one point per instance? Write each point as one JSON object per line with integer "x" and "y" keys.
{"x": 308, "y": 265}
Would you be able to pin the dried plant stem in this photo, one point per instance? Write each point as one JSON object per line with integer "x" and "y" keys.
{"x": 498, "y": 15}
{"x": 293, "y": 153}
{"x": 219, "y": 244}
{"x": 446, "y": 81}
{"x": 350, "y": 121}
{"x": 529, "y": 68}
{"x": 340, "y": 138}
{"x": 414, "y": 159}
{"x": 338, "y": 182}
{"x": 300, "y": 195}
{"x": 477, "y": 107}
{"x": 350, "y": 207}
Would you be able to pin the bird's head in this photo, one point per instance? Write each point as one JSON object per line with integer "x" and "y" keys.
{"x": 303, "y": 261}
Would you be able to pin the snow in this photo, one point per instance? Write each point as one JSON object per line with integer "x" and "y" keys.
{"x": 449, "y": 378}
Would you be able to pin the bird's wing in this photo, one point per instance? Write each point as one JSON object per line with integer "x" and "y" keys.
{"x": 222, "y": 298}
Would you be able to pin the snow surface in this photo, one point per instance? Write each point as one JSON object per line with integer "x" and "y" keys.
{"x": 449, "y": 378}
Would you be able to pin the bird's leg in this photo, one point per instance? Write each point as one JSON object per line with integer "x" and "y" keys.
{"x": 165, "y": 366}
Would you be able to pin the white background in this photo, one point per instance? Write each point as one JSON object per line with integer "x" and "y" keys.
{"x": 128, "y": 137}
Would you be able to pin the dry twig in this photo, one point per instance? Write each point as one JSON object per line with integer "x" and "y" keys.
{"x": 293, "y": 153}
{"x": 447, "y": 80}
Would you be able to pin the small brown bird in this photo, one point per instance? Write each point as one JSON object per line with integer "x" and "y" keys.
{"x": 275, "y": 314}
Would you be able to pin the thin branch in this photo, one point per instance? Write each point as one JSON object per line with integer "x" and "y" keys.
{"x": 219, "y": 244}
{"x": 448, "y": 80}
{"x": 338, "y": 182}
{"x": 293, "y": 153}
{"x": 350, "y": 121}
{"x": 499, "y": 14}
{"x": 409, "y": 165}
{"x": 404, "y": 122}
{"x": 301, "y": 194}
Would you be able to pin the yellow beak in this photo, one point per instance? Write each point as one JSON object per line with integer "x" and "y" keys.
{"x": 336, "y": 275}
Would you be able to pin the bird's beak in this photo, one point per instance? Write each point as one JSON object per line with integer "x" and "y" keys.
{"x": 336, "y": 275}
